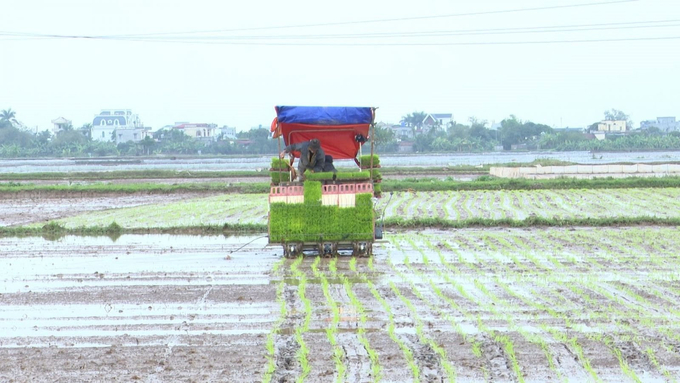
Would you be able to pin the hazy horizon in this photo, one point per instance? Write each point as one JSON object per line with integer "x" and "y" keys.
{"x": 562, "y": 65}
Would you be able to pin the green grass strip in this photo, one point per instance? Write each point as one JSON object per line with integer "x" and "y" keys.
{"x": 145, "y": 187}
{"x": 387, "y": 185}
{"x": 55, "y": 230}
{"x": 129, "y": 174}
{"x": 490, "y": 183}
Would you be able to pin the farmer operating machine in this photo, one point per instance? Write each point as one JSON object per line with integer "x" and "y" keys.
{"x": 325, "y": 211}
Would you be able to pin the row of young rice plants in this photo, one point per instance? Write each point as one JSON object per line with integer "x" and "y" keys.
{"x": 592, "y": 292}
{"x": 451, "y": 205}
{"x": 420, "y": 332}
{"x": 358, "y": 306}
{"x": 332, "y": 329}
{"x": 479, "y": 296}
{"x": 601, "y": 288}
{"x": 241, "y": 208}
{"x": 602, "y": 319}
{"x": 270, "y": 367}
{"x": 517, "y": 277}
{"x": 543, "y": 284}
{"x": 473, "y": 315}
{"x": 391, "y": 325}
{"x": 646, "y": 295}
{"x": 508, "y": 310}
{"x": 520, "y": 204}
{"x": 425, "y": 340}
{"x": 303, "y": 351}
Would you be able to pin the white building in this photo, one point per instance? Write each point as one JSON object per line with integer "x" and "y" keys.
{"x": 59, "y": 124}
{"x": 123, "y": 120}
{"x": 665, "y": 124}
{"x": 440, "y": 119}
{"x": 227, "y": 133}
{"x": 201, "y": 131}
{"x": 612, "y": 126}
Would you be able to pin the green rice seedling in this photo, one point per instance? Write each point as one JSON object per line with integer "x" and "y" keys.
{"x": 358, "y": 306}
{"x": 303, "y": 351}
{"x": 622, "y": 362}
{"x": 451, "y": 374}
{"x": 444, "y": 314}
{"x": 312, "y": 192}
{"x": 340, "y": 175}
{"x": 492, "y": 308}
{"x": 449, "y": 206}
{"x": 509, "y": 350}
{"x": 332, "y": 330}
{"x": 365, "y": 160}
{"x": 280, "y": 163}
{"x": 652, "y": 358}
{"x": 271, "y": 352}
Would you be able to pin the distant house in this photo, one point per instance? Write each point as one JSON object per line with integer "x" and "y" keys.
{"x": 128, "y": 126}
{"x": 665, "y": 124}
{"x": 134, "y": 134}
{"x": 59, "y": 124}
{"x": 438, "y": 119}
{"x": 612, "y": 126}
{"x": 402, "y": 131}
{"x": 227, "y": 133}
{"x": 200, "y": 131}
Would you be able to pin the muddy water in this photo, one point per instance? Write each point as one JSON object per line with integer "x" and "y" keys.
{"x": 429, "y": 306}
{"x": 155, "y": 307}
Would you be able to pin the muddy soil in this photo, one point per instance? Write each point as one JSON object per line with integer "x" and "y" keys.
{"x": 471, "y": 305}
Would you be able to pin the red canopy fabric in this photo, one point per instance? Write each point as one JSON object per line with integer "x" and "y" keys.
{"x": 337, "y": 140}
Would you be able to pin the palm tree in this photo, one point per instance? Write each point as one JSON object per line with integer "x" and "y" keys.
{"x": 414, "y": 120}
{"x": 86, "y": 130}
{"x": 8, "y": 115}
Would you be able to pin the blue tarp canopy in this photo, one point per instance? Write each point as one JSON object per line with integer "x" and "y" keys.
{"x": 324, "y": 115}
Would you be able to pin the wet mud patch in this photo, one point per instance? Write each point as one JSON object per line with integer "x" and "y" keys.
{"x": 427, "y": 360}
{"x": 495, "y": 363}
{"x": 287, "y": 365}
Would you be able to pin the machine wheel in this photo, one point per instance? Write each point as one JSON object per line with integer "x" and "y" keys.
{"x": 292, "y": 250}
{"x": 362, "y": 251}
{"x": 328, "y": 249}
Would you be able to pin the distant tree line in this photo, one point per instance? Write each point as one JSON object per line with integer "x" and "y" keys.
{"x": 77, "y": 142}
{"x": 474, "y": 136}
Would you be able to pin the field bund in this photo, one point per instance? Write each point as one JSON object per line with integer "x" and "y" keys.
{"x": 587, "y": 171}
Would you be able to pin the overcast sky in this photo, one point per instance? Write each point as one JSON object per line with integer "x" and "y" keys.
{"x": 235, "y": 77}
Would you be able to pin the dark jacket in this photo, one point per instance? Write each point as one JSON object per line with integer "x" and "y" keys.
{"x": 316, "y": 162}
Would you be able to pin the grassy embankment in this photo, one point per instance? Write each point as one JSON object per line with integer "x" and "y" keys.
{"x": 412, "y": 184}
{"x": 55, "y": 230}
{"x": 187, "y": 174}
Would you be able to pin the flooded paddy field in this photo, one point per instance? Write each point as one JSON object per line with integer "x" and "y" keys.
{"x": 534, "y": 305}
{"x": 165, "y": 210}
{"x": 206, "y": 163}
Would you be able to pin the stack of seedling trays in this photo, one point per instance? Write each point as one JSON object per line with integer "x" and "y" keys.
{"x": 279, "y": 171}
{"x": 311, "y": 223}
{"x": 365, "y": 163}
